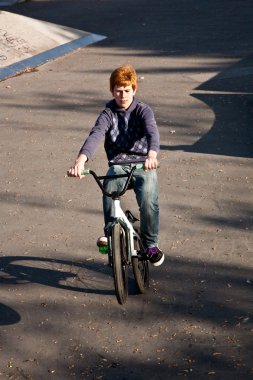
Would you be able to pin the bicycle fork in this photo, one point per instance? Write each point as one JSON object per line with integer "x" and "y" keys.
{"x": 127, "y": 227}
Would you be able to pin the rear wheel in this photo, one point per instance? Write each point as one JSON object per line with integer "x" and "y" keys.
{"x": 141, "y": 274}
{"x": 141, "y": 268}
{"x": 119, "y": 263}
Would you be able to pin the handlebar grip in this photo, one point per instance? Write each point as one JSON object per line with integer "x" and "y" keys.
{"x": 85, "y": 171}
{"x": 141, "y": 165}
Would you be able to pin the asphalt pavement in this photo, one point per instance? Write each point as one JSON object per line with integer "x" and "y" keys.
{"x": 59, "y": 317}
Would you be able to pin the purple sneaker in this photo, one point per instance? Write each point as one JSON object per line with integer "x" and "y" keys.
{"x": 155, "y": 256}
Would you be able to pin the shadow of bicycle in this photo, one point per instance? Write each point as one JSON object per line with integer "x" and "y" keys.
{"x": 86, "y": 277}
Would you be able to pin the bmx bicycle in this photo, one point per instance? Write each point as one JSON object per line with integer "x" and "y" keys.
{"x": 125, "y": 247}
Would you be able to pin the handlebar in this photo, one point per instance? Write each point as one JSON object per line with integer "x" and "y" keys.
{"x": 88, "y": 171}
{"x": 115, "y": 194}
{"x": 99, "y": 179}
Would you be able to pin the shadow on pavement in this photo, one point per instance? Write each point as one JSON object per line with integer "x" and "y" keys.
{"x": 176, "y": 28}
{"x": 207, "y": 292}
{"x": 8, "y": 316}
{"x": 62, "y": 274}
{"x": 230, "y": 95}
{"x": 199, "y": 319}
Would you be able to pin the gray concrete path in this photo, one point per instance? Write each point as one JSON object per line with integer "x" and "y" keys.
{"x": 59, "y": 317}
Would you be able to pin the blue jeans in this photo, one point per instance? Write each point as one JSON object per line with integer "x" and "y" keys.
{"x": 145, "y": 187}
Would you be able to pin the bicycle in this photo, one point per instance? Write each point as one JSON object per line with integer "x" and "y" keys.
{"x": 125, "y": 247}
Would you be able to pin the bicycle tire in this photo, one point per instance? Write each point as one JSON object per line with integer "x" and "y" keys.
{"x": 141, "y": 274}
{"x": 119, "y": 263}
{"x": 141, "y": 269}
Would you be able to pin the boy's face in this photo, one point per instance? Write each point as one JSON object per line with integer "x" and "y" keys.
{"x": 123, "y": 95}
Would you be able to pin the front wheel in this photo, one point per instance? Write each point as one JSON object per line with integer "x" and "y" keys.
{"x": 119, "y": 263}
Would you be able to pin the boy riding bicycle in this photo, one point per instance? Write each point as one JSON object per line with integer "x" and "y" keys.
{"x": 130, "y": 135}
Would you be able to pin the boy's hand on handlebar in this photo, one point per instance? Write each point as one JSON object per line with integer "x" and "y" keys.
{"x": 76, "y": 169}
{"x": 151, "y": 161}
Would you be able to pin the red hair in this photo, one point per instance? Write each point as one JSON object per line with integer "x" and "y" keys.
{"x": 123, "y": 76}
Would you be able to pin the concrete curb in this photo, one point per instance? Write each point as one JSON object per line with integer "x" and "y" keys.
{"x": 39, "y": 59}
{"x": 26, "y": 43}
